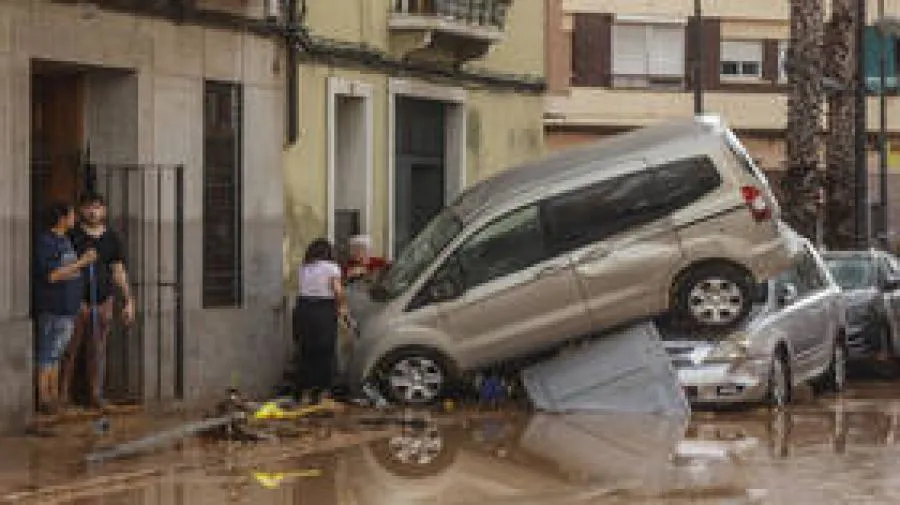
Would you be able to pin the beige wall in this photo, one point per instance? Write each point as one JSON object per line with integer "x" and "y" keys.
{"x": 502, "y": 129}
{"x": 521, "y": 51}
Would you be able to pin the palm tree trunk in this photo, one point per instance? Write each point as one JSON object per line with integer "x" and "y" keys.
{"x": 805, "y": 75}
{"x": 840, "y": 165}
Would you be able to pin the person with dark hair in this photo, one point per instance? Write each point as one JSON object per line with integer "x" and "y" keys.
{"x": 58, "y": 289}
{"x": 319, "y": 304}
{"x": 100, "y": 280}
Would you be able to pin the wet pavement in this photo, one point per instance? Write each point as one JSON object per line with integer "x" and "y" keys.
{"x": 821, "y": 451}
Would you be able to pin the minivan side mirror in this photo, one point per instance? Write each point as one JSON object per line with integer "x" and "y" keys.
{"x": 891, "y": 283}
{"x": 787, "y": 294}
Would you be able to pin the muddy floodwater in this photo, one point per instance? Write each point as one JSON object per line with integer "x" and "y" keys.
{"x": 822, "y": 451}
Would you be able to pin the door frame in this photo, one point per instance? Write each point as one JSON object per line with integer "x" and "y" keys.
{"x": 340, "y": 87}
{"x": 455, "y": 158}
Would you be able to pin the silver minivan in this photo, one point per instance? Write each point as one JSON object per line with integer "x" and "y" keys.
{"x": 671, "y": 219}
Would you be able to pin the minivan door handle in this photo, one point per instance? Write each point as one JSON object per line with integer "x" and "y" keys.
{"x": 549, "y": 270}
{"x": 592, "y": 255}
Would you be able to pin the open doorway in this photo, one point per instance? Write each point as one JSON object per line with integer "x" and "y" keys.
{"x": 83, "y": 134}
{"x": 350, "y": 162}
{"x": 420, "y": 166}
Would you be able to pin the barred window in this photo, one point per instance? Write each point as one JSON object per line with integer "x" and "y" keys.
{"x": 222, "y": 195}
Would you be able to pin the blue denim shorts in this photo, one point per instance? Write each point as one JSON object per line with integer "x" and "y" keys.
{"x": 54, "y": 334}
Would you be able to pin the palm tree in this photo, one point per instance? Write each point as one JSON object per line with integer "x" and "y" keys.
{"x": 840, "y": 67}
{"x": 805, "y": 78}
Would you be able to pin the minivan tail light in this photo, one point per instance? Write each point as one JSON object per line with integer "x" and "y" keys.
{"x": 756, "y": 202}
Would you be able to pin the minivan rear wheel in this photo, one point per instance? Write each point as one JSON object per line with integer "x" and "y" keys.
{"x": 714, "y": 296}
{"x": 415, "y": 376}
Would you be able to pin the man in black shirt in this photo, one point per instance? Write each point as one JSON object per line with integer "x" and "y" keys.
{"x": 100, "y": 281}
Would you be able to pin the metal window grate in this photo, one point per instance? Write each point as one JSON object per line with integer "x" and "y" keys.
{"x": 222, "y": 195}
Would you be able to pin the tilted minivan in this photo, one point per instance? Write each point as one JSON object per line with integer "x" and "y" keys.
{"x": 672, "y": 219}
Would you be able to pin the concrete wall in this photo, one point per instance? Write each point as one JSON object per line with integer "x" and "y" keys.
{"x": 160, "y": 83}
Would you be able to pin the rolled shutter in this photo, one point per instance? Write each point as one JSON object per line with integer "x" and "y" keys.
{"x": 629, "y": 49}
{"x": 665, "y": 50}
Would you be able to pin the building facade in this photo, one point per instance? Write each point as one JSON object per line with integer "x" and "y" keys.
{"x": 174, "y": 111}
{"x": 403, "y": 103}
{"x": 615, "y": 65}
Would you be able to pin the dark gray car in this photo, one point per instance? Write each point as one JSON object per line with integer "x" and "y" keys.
{"x": 870, "y": 281}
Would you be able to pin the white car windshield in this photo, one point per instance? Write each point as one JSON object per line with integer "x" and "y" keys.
{"x": 419, "y": 254}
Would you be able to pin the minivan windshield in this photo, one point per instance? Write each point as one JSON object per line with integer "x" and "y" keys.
{"x": 854, "y": 272}
{"x": 418, "y": 255}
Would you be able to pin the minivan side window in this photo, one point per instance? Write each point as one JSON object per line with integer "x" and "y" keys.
{"x": 686, "y": 181}
{"x": 578, "y": 218}
{"x": 507, "y": 245}
{"x": 598, "y": 211}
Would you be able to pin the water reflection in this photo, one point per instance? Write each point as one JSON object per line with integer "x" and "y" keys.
{"x": 815, "y": 453}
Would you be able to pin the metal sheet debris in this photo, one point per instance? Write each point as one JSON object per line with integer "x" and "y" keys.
{"x": 623, "y": 371}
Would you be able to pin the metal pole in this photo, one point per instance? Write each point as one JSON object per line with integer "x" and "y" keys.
{"x": 698, "y": 58}
{"x": 882, "y": 141}
{"x": 862, "y": 164}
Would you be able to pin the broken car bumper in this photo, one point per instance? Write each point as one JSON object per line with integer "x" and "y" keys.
{"x": 724, "y": 383}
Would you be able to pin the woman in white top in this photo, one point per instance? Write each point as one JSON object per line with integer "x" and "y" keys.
{"x": 319, "y": 304}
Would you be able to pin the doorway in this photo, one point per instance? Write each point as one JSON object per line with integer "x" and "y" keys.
{"x": 350, "y": 159}
{"x": 84, "y": 139}
{"x": 420, "y": 181}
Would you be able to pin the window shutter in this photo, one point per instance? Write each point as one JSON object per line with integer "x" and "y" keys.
{"x": 710, "y": 37}
{"x": 771, "y": 60}
{"x": 710, "y": 33}
{"x": 666, "y": 50}
{"x": 733, "y": 50}
{"x": 629, "y": 48}
{"x": 591, "y": 42}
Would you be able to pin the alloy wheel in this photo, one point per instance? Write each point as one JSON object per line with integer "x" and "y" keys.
{"x": 416, "y": 380}
{"x": 715, "y": 301}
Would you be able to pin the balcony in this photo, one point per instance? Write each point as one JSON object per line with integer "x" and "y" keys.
{"x": 451, "y": 31}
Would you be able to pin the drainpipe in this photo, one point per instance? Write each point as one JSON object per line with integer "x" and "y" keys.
{"x": 292, "y": 90}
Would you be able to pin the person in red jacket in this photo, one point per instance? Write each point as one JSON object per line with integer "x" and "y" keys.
{"x": 362, "y": 265}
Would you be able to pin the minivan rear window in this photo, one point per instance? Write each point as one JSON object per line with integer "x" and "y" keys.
{"x": 589, "y": 214}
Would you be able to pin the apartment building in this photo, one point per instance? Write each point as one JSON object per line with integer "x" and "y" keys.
{"x": 174, "y": 111}
{"x": 402, "y": 104}
{"x": 614, "y": 65}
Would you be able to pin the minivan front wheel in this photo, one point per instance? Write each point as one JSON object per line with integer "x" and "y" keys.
{"x": 414, "y": 377}
{"x": 714, "y": 296}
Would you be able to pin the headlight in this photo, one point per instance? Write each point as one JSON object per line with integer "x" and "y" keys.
{"x": 733, "y": 349}
{"x": 859, "y": 313}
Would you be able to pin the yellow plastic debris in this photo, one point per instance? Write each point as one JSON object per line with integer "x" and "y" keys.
{"x": 274, "y": 480}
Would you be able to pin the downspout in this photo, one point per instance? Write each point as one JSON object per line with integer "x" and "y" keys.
{"x": 292, "y": 91}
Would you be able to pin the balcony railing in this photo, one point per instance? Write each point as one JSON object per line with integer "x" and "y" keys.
{"x": 482, "y": 13}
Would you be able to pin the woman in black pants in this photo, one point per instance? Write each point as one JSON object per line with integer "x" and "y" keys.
{"x": 319, "y": 305}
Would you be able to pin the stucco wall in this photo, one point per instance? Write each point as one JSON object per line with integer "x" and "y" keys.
{"x": 366, "y": 21}
{"x": 502, "y": 129}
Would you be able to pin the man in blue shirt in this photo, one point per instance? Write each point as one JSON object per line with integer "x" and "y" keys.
{"x": 58, "y": 287}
